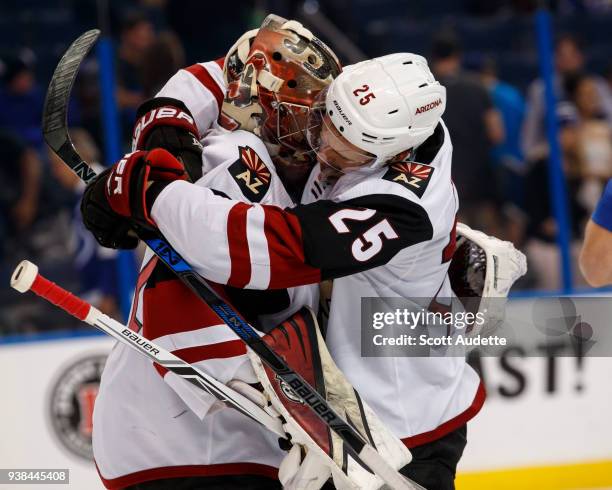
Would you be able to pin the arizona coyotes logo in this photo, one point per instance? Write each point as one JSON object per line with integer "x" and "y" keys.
{"x": 413, "y": 176}
{"x": 251, "y": 174}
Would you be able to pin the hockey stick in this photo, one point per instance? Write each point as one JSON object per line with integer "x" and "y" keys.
{"x": 26, "y": 278}
{"x": 55, "y": 131}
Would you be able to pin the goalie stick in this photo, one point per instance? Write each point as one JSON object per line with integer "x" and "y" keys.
{"x": 55, "y": 131}
{"x": 26, "y": 278}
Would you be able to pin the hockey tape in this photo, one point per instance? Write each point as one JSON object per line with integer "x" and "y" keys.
{"x": 26, "y": 278}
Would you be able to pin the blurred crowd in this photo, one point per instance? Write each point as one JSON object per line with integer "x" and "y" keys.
{"x": 498, "y": 127}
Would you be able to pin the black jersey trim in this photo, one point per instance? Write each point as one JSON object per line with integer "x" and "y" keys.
{"x": 427, "y": 151}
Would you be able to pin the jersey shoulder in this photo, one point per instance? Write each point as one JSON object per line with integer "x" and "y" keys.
{"x": 243, "y": 169}
{"x": 201, "y": 87}
{"x": 412, "y": 180}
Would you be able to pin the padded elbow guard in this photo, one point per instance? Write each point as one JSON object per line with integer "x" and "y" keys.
{"x": 164, "y": 122}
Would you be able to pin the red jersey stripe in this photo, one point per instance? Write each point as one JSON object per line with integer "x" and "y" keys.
{"x": 450, "y": 425}
{"x": 286, "y": 250}
{"x": 170, "y": 308}
{"x": 238, "y": 246}
{"x": 161, "y": 370}
{"x": 143, "y": 277}
{"x": 220, "y": 62}
{"x": 208, "y": 81}
{"x": 153, "y": 474}
{"x": 221, "y": 350}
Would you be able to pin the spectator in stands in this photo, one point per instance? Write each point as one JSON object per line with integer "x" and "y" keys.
{"x": 136, "y": 37}
{"x": 507, "y": 155}
{"x": 510, "y": 103}
{"x": 475, "y": 126}
{"x": 162, "y": 60}
{"x": 20, "y": 171}
{"x": 21, "y": 100}
{"x": 594, "y": 138}
{"x": 569, "y": 60}
{"x": 541, "y": 248}
{"x": 96, "y": 266}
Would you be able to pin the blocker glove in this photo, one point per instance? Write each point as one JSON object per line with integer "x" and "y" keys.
{"x": 120, "y": 198}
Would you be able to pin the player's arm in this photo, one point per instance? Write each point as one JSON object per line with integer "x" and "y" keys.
{"x": 261, "y": 246}
{"x": 251, "y": 245}
{"x": 596, "y": 253}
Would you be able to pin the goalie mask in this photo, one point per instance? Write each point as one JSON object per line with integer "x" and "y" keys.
{"x": 273, "y": 75}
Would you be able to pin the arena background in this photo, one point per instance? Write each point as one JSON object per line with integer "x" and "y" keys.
{"x": 545, "y": 139}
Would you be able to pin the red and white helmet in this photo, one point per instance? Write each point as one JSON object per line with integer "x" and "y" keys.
{"x": 382, "y": 106}
{"x": 274, "y": 74}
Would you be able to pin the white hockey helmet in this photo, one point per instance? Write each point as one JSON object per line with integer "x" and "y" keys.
{"x": 382, "y": 106}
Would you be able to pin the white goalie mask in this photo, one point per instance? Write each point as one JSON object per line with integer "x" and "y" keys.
{"x": 380, "y": 107}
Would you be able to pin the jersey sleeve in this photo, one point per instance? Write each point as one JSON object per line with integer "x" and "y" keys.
{"x": 259, "y": 246}
{"x": 603, "y": 212}
{"x": 201, "y": 88}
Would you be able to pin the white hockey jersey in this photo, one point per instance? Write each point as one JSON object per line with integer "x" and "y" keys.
{"x": 421, "y": 399}
{"x": 389, "y": 232}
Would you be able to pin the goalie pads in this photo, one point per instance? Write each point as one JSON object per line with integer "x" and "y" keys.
{"x": 481, "y": 272}
{"x": 300, "y": 343}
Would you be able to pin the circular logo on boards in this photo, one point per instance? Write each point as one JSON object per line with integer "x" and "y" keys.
{"x": 71, "y": 404}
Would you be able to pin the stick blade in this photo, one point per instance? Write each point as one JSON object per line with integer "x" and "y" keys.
{"x": 55, "y": 123}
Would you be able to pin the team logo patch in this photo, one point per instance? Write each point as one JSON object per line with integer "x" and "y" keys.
{"x": 251, "y": 174}
{"x": 71, "y": 404}
{"x": 413, "y": 176}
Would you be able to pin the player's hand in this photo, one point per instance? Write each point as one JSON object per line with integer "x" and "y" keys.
{"x": 119, "y": 199}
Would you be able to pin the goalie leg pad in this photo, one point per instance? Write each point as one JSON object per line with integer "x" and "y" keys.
{"x": 299, "y": 341}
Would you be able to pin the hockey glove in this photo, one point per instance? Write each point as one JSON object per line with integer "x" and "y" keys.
{"x": 166, "y": 123}
{"x": 482, "y": 271}
{"x": 120, "y": 198}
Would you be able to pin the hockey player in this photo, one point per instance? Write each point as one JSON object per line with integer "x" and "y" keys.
{"x": 222, "y": 449}
{"x": 378, "y": 216}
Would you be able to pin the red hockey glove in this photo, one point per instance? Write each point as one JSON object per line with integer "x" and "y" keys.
{"x": 122, "y": 196}
{"x": 133, "y": 179}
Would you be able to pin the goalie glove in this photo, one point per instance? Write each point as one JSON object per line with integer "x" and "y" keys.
{"x": 482, "y": 271}
{"x": 321, "y": 452}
